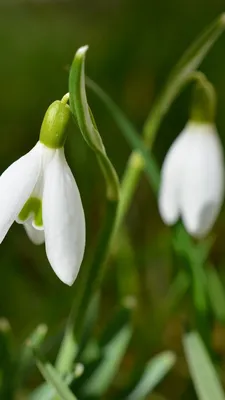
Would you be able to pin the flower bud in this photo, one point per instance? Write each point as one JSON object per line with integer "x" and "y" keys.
{"x": 53, "y": 129}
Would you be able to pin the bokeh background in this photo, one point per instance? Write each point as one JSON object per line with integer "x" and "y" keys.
{"x": 132, "y": 47}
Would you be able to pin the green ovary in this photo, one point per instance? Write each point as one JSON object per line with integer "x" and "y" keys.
{"x": 33, "y": 206}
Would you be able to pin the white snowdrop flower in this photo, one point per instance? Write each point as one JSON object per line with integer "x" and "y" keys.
{"x": 192, "y": 179}
{"x": 39, "y": 191}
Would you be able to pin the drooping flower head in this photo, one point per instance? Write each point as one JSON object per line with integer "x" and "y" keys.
{"x": 192, "y": 178}
{"x": 39, "y": 191}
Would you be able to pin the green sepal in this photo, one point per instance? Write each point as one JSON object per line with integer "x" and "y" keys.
{"x": 54, "y": 126}
{"x": 33, "y": 206}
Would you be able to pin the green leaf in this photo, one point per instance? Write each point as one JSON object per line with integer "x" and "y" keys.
{"x": 203, "y": 373}
{"x": 178, "y": 288}
{"x": 44, "y": 391}
{"x": 54, "y": 379}
{"x": 113, "y": 354}
{"x": 113, "y": 345}
{"x": 33, "y": 342}
{"x": 154, "y": 372}
{"x": 216, "y": 293}
{"x": 130, "y": 133}
{"x": 196, "y": 255}
{"x": 181, "y": 75}
{"x": 69, "y": 348}
{"x": 85, "y": 120}
{"x": 126, "y": 271}
{"x": 7, "y": 361}
{"x": 47, "y": 392}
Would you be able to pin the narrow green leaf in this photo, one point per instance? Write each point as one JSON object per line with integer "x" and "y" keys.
{"x": 178, "y": 288}
{"x": 201, "y": 46}
{"x": 44, "y": 391}
{"x": 153, "y": 374}
{"x": 203, "y": 373}
{"x": 69, "y": 348}
{"x": 216, "y": 293}
{"x": 7, "y": 361}
{"x": 89, "y": 321}
{"x": 127, "y": 272}
{"x": 47, "y": 392}
{"x": 180, "y": 75}
{"x": 130, "y": 133}
{"x": 113, "y": 354}
{"x": 33, "y": 342}
{"x": 195, "y": 254}
{"x": 54, "y": 379}
{"x": 84, "y": 117}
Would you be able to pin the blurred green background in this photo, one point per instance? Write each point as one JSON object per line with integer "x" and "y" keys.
{"x": 132, "y": 47}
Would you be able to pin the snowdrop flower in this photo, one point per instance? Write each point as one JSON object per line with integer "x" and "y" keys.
{"x": 39, "y": 191}
{"x": 192, "y": 179}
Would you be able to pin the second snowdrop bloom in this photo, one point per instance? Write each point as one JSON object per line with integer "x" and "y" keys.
{"x": 192, "y": 179}
{"x": 39, "y": 191}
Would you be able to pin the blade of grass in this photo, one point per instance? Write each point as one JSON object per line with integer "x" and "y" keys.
{"x": 154, "y": 372}
{"x": 216, "y": 293}
{"x": 113, "y": 354}
{"x": 202, "y": 371}
{"x": 51, "y": 375}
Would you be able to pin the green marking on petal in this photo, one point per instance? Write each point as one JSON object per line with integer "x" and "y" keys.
{"x": 32, "y": 206}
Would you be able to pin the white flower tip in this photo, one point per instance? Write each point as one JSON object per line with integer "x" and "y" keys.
{"x": 200, "y": 225}
{"x": 82, "y": 51}
{"x": 67, "y": 281}
{"x": 168, "y": 209}
{"x": 65, "y": 268}
{"x": 168, "y": 215}
{"x": 196, "y": 232}
{"x": 66, "y": 278}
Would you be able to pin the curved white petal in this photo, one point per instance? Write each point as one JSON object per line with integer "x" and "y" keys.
{"x": 171, "y": 178}
{"x": 203, "y": 180}
{"x": 37, "y": 236}
{"x": 16, "y": 185}
{"x": 63, "y": 219}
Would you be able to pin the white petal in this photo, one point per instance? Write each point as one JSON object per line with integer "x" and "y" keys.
{"x": 203, "y": 180}
{"x": 63, "y": 219}
{"x": 16, "y": 185}
{"x": 37, "y": 236}
{"x": 171, "y": 177}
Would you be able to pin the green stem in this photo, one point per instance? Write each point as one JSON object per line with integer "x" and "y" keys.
{"x": 179, "y": 77}
{"x": 97, "y": 270}
{"x": 139, "y": 159}
{"x": 128, "y": 186}
{"x": 90, "y": 285}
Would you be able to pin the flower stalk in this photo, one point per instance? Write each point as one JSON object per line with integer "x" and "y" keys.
{"x": 181, "y": 75}
{"x": 83, "y": 117}
{"x": 85, "y": 120}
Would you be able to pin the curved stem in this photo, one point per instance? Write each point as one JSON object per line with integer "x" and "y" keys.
{"x": 179, "y": 77}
